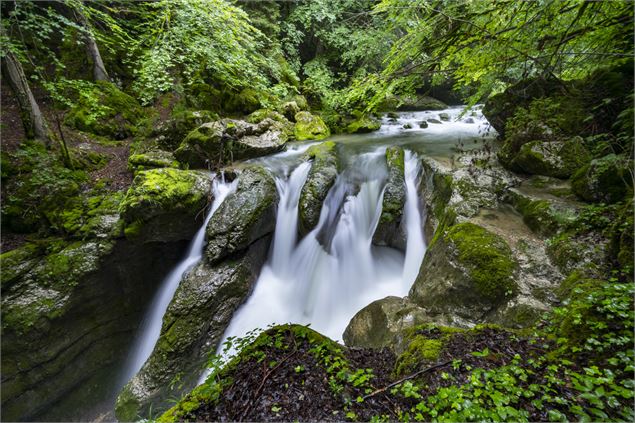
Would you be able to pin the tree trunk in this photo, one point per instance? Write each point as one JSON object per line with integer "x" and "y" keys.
{"x": 99, "y": 70}
{"x": 32, "y": 118}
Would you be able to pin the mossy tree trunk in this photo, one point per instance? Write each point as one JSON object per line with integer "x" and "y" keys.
{"x": 35, "y": 125}
{"x": 99, "y": 69}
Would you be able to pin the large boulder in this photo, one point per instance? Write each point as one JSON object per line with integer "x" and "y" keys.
{"x": 362, "y": 125}
{"x": 318, "y": 183}
{"x": 389, "y": 230}
{"x": 559, "y": 159}
{"x": 165, "y": 204}
{"x": 310, "y": 127}
{"x": 467, "y": 272}
{"x": 221, "y": 142}
{"x": 170, "y": 132}
{"x": 420, "y": 103}
{"x": 245, "y": 216}
{"x": 607, "y": 179}
{"x": 193, "y": 324}
{"x": 377, "y": 324}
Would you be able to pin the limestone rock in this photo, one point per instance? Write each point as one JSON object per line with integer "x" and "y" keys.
{"x": 389, "y": 230}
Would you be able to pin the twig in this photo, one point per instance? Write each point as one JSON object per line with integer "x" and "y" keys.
{"x": 412, "y": 376}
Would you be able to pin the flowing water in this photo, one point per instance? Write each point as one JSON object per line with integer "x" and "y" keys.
{"x": 151, "y": 327}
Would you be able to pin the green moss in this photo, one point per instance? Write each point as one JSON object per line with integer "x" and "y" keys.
{"x": 487, "y": 258}
{"x": 106, "y": 111}
{"x": 152, "y": 159}
{"x": 310, "y": 127}
{"x": 607, "y": 179}
{"x": 363, "y": 125}
{"x": 542, "y": 216}
{"x": 127, "y": 407}
{"x": 423, "y": 343}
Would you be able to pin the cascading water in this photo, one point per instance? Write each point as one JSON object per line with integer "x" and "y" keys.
{"x": 334, "y": 271}
{"x": 151, "y": 326}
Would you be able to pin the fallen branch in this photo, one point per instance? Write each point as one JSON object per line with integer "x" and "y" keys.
{"x": 412, "y": 376}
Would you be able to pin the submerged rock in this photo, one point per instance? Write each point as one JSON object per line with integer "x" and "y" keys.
{"x": 223, "y": 141}
{"x": 377, "y": 324}
{"x": 607, "y": 179}
{"x": 467, "y": 272}
{"x": 433, "y": 120}
{"x": 319, "y": 181}
{"x": 163, "y": 204}
{"x": 245, "y": 216}
{"x": 310, "y": 127}
{"x": 389, "y": 229}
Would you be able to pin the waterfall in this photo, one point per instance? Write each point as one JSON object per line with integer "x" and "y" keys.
{"x": 151, "y": 326}
{"x": 334, "y": 271}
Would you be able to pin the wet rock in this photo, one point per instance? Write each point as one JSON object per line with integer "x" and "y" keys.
{"x": 468, "y": 120}
{"x": 467, "y": 272}
{"x": 163, "y": 204}
{"x": 433, "y": 120}
{"x": 392, "y": 115}
{"x": 193, "y": 325}
{"x": 244, "y": 216}
{"x": 319, "y": 181}
{"x": 290, "y": 109}
{"x": 407, "y": 126}
{"x": 558, "y": 159}
{"x": 363, "y": 125}
{"x": 423, "y": 124}
{"x": 607, "y": 179}
{"x": 389, "y": 229}
{"x": 420, "y": 103}
{"x": 444, "y": 117}
{"x": 377, "y": 324}
{"x": 223, "y": 141}
{"x": 310, "y": 127}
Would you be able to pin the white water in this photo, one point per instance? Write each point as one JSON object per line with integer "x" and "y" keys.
{"x": 151, "y": 325}
{"x": 334, "y": 271}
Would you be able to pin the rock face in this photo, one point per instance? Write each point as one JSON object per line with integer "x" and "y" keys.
{"x": 310, "y": 127}
{"x": 559, "y": 159}
{"x": 220, "y": 142}
{"x": 238, "y": 234}
{"x": 319, "y": 181}
{"x": 606, "y": 179}
{"x": 467, "y": 271}
{"x": 69, "y": 313}
{"x": 163, "y": 204}
{"x": 377, "y": 324}
{"x": 389, "y": 229}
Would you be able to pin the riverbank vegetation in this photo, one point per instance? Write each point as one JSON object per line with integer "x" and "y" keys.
{"x": 96, "y": 96}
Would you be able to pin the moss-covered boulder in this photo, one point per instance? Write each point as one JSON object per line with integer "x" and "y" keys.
{"x": 170, "y": 132}
{"x": 193, "y": 324}
{"x": 310, "y": 127}
{"x": 363, "y": 125}
{"x": 151, "y": 159}
{"x": 165, "y": 204}
{"x": 244, "y": 102}
{"x": 607, "y": 179}
{"x": 389, "y": 230}
{"x": 377, "y": 324}
{"x": 106, "y": 111}
{"x": 319, "y": 181}
{"x": 245, "y": 216}
{"x": 559, "y": 159}
{"x": 221, "y": 142}
{"x": 467, "y": 272}
{"x": 262, "y": 114}
{"x": 414, "y": 103}
{"x": 421, "y": 344}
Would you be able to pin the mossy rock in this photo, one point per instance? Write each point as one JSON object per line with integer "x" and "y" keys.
{"x": 377, "y": 324}
{"x": 363, "y": 125}
{"x": 117, "y": 115}
{"x": 389, "y": 230}
{"x": 543, "y": 215}
{"x": 162, "y": 204}
{"x": 171, "y": 132}
{"x": 244, "y": 217}
{"x": 310, "y": 127}
{"x": 420, "y": 103}
{"x": 467, "y": 271}
{"x": 420, "y": 345}
{"x": 557, "y": 159}
{"x": 319, "y": 181}
{"x": 262, "y": 114}
{"x": 607, "y": 179}
{"x": 152, "y": 159}
{"x": 246, "y": 101}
